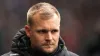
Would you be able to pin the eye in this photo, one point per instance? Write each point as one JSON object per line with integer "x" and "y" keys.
{"x": 54, "y": 31}
{"x": 42, "y": 31}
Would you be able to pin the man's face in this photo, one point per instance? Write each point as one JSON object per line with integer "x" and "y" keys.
{"x": 44, "y": 34}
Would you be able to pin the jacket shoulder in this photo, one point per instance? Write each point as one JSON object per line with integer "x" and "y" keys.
{"x": 66, "y": 52}
{"x": 10, "y": 54}
{"x": 72, "y": 54}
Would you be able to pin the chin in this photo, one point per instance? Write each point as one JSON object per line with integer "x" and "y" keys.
{"x": 49, "y": 50}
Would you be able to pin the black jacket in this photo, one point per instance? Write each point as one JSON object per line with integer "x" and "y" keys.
{"x": 21, "y": 47}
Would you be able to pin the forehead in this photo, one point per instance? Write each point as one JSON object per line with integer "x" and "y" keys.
{"x": 46, "y": 22}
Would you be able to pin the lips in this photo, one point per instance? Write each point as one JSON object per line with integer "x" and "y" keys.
{"x": 48, "y": 45}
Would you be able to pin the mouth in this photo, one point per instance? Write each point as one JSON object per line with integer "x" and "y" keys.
{"x": 48, "y": 45}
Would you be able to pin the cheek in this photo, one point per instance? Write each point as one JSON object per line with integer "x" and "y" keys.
{"x": 36, "y": 38}
{"x": 56, "y": 37}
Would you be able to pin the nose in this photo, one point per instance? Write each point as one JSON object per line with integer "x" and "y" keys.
{"x": 49, "y": 36}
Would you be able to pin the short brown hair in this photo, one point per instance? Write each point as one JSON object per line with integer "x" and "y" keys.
{"x": 37, "y": 7}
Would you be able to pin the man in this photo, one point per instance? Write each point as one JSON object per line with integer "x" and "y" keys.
{"x": 41, "y": 35}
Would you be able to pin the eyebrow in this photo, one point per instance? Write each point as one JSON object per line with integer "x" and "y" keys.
{"x": 42, "y": 30}
{"x": 45, "y": 30}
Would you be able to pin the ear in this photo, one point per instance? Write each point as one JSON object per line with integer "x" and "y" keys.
{"x": 27, "y": 30}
